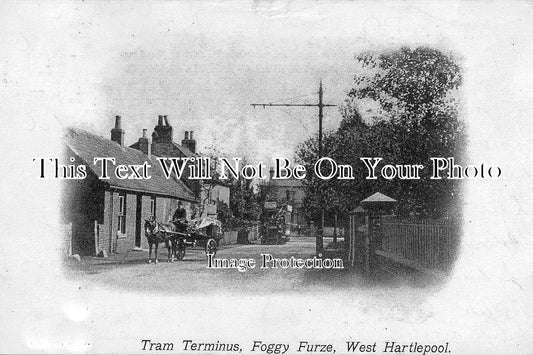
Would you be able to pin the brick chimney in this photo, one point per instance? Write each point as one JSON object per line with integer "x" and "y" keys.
{"x": 163, "y": 130}
{"x": 189, "y": 142}
{"x": 117, "y": 133}
{"x": 144, "y": 143}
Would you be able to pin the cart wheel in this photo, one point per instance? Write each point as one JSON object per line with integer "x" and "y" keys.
{"x": 180, "y": 252}
{"x": 211, "y": 247}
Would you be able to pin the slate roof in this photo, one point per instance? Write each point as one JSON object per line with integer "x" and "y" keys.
{"x": 184, "y": 151}
{"x": 87, "y": 146}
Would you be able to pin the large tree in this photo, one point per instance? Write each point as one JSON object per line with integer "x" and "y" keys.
{"x": 415, "y": 100}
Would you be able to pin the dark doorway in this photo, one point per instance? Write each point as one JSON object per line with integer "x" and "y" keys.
{"x": 138, "y": 224}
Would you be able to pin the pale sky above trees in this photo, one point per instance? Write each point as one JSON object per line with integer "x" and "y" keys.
{"x": 203, "y": 64}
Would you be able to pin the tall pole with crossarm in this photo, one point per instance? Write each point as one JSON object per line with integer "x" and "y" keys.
{"x": 320, "y": 105}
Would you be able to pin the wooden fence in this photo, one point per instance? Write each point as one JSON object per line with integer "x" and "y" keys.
{"x": 427, "y": 243}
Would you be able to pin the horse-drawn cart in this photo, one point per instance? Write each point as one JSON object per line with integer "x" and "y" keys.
{"x": 204, "y": 232}
{"x": 193, "y": 239}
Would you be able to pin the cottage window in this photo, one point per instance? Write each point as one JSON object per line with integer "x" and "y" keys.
{"x": 122, "y": 213}
{"x": 152, "y": 207}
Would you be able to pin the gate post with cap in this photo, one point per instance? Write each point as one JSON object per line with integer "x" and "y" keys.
{"x": 376, "y": 206}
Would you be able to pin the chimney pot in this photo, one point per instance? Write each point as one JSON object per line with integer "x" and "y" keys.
{"x": 188, "y": 142}
{"x": 118, "y": 122}
{"x": 163, "y": 131}
{"x": 144, "y": 144}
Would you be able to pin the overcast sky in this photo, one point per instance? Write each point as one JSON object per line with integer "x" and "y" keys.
{"x": 204, "y": 68}
{"x": 204, "y": 63}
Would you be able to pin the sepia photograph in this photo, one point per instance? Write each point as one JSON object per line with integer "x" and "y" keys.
{"x": 266, "y": 177}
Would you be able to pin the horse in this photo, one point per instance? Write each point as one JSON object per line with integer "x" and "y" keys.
{"x": 156, "y": 233}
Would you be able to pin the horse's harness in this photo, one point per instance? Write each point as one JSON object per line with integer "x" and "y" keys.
{"x": 157, "y": 227}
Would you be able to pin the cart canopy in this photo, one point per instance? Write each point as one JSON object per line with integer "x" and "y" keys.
{"x": 206, "y": 222}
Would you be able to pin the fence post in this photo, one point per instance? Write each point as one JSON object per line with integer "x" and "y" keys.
{"x": 366, "y": 241}
{"x": 374, "y": 239}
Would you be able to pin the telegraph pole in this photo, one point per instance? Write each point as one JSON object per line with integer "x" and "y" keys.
{"x": 320, "y": 105}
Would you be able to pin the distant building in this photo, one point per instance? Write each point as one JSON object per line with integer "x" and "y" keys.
{"x": 212, "y": 193}
{"x": 290, "y": 192}
{"x": 207, "y": 192}
{"x": 108, "y": 215}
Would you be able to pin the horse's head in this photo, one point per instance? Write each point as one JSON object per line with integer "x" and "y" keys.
{"x": 149, "y": 226}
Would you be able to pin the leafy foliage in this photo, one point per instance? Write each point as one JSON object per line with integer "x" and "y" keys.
{"x": 417, "y": 93}
{"x": 244, "y": 204}
{"x": 224, "y": 214}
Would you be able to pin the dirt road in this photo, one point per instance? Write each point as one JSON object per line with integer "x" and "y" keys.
{"x": 191, "y": 274}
